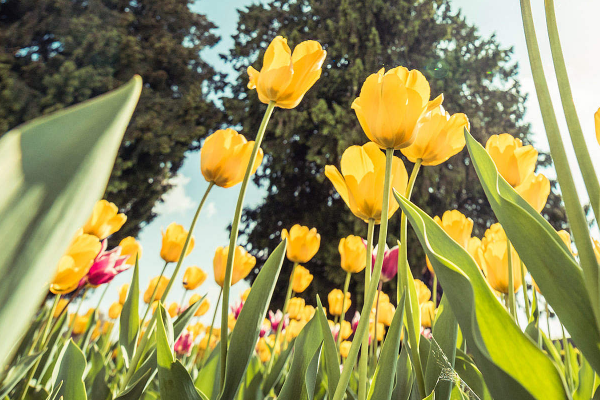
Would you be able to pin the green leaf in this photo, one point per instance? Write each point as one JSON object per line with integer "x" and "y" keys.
{"x": 512, "y": 365}
{"x": 27, "y": 340}
{"x": 129, "y": 323}
{"x": 444, "y": 333}
{"x": 471, "y": 376}
{"x": 383, "y": 380}
{"x": 100, "y": 390}
{"x": 43, "y": 372}
{"x": 310, "y": 378}
{"x": 586, "y": 381}
{"x": 17, "y": 372}
{"x": 69, "y": 370}
{"x": 308, "y": 343}
{"x": 405, "y": 376}
{"x": 209, "y": 377}
{"x": 247, "y": 327}
{"x": 554, "y": 269}
{"x": 96, "y": 363}
{"x": 278, "y": 369}
{"x": 52, "y": 171}
{"x": 332, "y": 365}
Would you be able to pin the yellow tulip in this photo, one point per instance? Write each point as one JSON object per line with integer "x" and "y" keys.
{"x": 62, "y": 303}
{"x": 345, "y": 348}
{"x": 172, "y": 243}
{"x": 105, "y": 220}
{"x": 293, "y": 329}
{"x": 360, "y": 184}
{"x": 597, "y": 123}
{"x": 302, "y": 279}
{"x": 123, "y": 293}
{"x": 285, "y": 76}
{"x": 295, "y": 307}
{"x": 386, "y": 313}
{"x": 114, "y": 310}
{"x": 535, "y": 189}
{"x": 107, "y": 326}
{"x": 204, "y": 306}
{"x": 596, "y": 249}
{"x": 474, "y": 249}
{"x": 335, "y": 298}
{"x": 380, "y": 330}
{"x": 81, "y": 322}
{"x": 427, "y": 314}
{"x": 224, "y": 158}
{"x": 76, "y": 263}
{"x": 345, "y": 330}
{"x": 243, "y": 263}
{"x": 263, "y": 350}
{"x": 132, "y": 248}
{"x": 380, "y": 299}
{"x": 307, "y": 313}
{"x": 245, "y": 295}
{"x": 231, "y": 321}
{"x": 160, "y": 283}
{"x": 302, "y": 243}
{"x": 173, "y": 309}
{"x": 193, "y": 277}
{"x": 213, "y": 341}
{"x": 495, "y": 256}
{"x": 423, "y": 292}
{"x": 514, "y": 161}
{"x": 439, "y": 137}
{"x": 389, "y": 106}
{"x": 457, "y": 226}
{"x": 353, "y": 253}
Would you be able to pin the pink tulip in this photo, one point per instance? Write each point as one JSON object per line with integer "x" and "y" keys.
{"x": 265, "y": 328}
{"x": 183, "y": 345}
{"x": 277, "y": 318}
{"x": 355, "y": 321}
{"x": 106, "y": 266}
{"x": 236, "y": 309}
{"x": 389, "y": 269}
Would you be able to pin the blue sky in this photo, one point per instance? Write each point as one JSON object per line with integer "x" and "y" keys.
{"x": 577, "y": 21}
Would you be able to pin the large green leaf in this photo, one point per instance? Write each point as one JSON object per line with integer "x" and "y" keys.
{"x": 44, "y": 370}
{"x": 332, "y": 365}
{"x": 247, "y": 327}
{"x": 208, "y": 379}
{"x": 52, "y": 171}
{"x": 512, "y": 365}
{"x": 405, "y": 376}
{"x": 129, "y": 323}
{"x": 550, "y": 262}
{"x": 383, "y": 381}
{"x": 278, "y": 369}
{"x": 17, "y": 372}
{"x": 69, "y": 370}
{"x": 471, "y": 376}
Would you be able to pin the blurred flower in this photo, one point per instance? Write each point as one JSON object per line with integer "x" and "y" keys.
{"x": 130, "y": 248}
{"x": 172, "y": 243}
{"x": 204, "y": 306}
{"x": 285, "y": 76}
{"x": 535, "y": 189}
{"x": 106, "y": 266}
{"x": 308, "y": 312}
{"x": 173, "y": 309}
{"x": 105, "y": 220}
{"x": 423, "y": 292}
{"x": 160, "y": 283}
{"x": 335, "y": 298}
{"x": 345, "y": 348}
{"x": 389, "y": 268}
{"x": 495, "y": 256}
{"x": 302, "y": 279}
{"x": 474, "y": 249}
{"x": 386, "y": 313}
{"x": 302, "y": 243}
{"x": 427, "y": 314}
{"x": 123, "y": 293}
{"x": 295, "y": 307}
{"x": 236, "y": 309}
{"x": 276, "y": 319}
{"x": 458, "y": 226}
{"x": 213, "y": 341}
{"x": 353, "y": 253}
{"x": 597, "y": 124}
{"x": 62, "y": 303}
{"x": 389, "y": 105}
{"x": 231, "y": 320}
{"x": 293, "y": 330}
{"x": 224, "y": 157}
{"x": 263, "y": 351}
{"x": 439, "y": 136}
{"x": 114, "y": 310}
{"x": 75, "y": 263}
{"x": 81, "y": 322}
{"x": 345, "y": 330}
{"x": 183, "y": 345}
{"x": 596, "y": 245}
{"x": 193, "y": 277}
{"x": 243, "y": 263}
{"x": 195, "y": 329}
{"x": 355, "y": 320}
{"x": 245, "y": 295}
{"x": 514, "y": 161}
{"x": 265, "y": 328}
{"x": 360, "y": 184}
{"x": 380, "y": 331}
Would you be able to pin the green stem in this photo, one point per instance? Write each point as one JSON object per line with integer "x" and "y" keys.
{"x": 548, "y": 318}
{"x": 234, "y": 236}
{"x": 149, "y": 306}
{"x": 180, "y": 306}
{"x": 137, "y": 358}
{"x": 524, "y": 286}
{"x": 375, "y": 341}
{"x": 72, "y": 324}
{"x": 511, "y": 282}
{"x": 346, "y": 284}
{"x": 403, "y": 279}
{"x": 575, "y": 213}
{"x": 581, "y": 151}
{"x": 435, "y": 285}
{"x": 210, "y": 331}
{"x": 87, "y": 340}
{"x": 288, "y": 295}
{"x": 568, "y": 367}
{"x": 366, "y": 312}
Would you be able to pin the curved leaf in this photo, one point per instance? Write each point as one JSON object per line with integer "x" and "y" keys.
{"x": 129, "y": 322}
{"x": 331, "y": 360}
{"x": 69, "y": 370}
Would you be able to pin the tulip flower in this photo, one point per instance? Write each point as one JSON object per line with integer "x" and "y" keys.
{"x": 263, "y": 350}
{"x": 183, "y": 345}
{"x": 173, "y": 310}
{"x": 160, "y": 283}
{"x": 286, "y": 76}
{"x": 195, "y": 329}
{"x": 596, "y": 245}
{"x": 106, "y": 266}
{"x": 389, "y": 106}
{"x": 495, "y": 255}
{"x": 243, "y": 263}
{"x": 427, "y": 314}
{"x": 335, "y": 298}
{"x": 293, "y": 330}
{"x": 355, "y": 321}
{"x": 457, "y": 226}
{"x": 597, "y": 124}
{"x": 105, "y": 220}
{"x": 302, "y": 243}
{"x": 345, "y": 348}
{"x": 345, "y": 330}
{"x": 123, "y": 293}
{"x": 295, "y": 307}
{"x": 423, "y": 292}
{"x": 439, "y": 136}
{"x": 535, "y": 189}
{"x": 213, "y": 341}
{"x": 173, "y": 240}
{"x": 514, "y": 161}
{"x": 204, "y": 306}
{"x": 386, "y": 313}
{"x": 130, "y": 248}
{"x": 389, "y": 268}
{"x": 265, "y": 328}
{"x": 360, "y": 184}
{"x": 193, "y": 277}
{"x": 236, "y": 309}
{"x": 276, "y": 319}
{"x": 231, "y": 320}
{"x": 114, "y": 310}
{"x": 62, "y": 303}
{"x": 245, "y": 295}
{"x": 302, "y": 279}
{"x": 353, "y": 253}
{"x": 76, "y": 263}
{"x": 224, "y": 158}
{"x": 308, "y": 312}
{"x": 81, "y": 321}
{"x": 380, "y": 331}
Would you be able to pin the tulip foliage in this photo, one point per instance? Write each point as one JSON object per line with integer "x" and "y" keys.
{"x": 475, "y": 341}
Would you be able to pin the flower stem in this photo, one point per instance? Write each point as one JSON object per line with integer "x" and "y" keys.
{"x": 234, "y": 236}
{"x": 435, "y": 285}
{"x": 72, "y": 324}
{"x": 210, "y": 331}
{"x": 366, "y": 312}
{"x": 511, "y": 282}
{"x": 149, "y": 306}
{"x": 346, "y": 284}
{"x": 180, "y": 306}
{"x": 288, "y": 295}
{"x": 87, "y": 341}
{"x": 375, "y": 341}
{"x": 525, "y": 297}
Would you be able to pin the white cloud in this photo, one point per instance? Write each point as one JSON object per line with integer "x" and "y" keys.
{"x": 211, "y": 209}
{"x": 175, "y": 200}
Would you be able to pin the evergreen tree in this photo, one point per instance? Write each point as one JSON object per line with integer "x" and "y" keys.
{"x": 475, "y": 74}
{"x": 55, "y": 53}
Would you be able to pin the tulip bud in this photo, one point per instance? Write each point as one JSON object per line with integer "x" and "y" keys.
{"x": 423, "y": 292}
{"x": 535, "y": 190}
{"x": 105, "y": 220}
{"x": 427, "y": 314}
{"x": 123, "y": 290}
{"x": 345, "y": 348}
{"x": 243, "y": 263}
{"x": 204, "y": 306}
{"x": 160, "y": 283}
{"x": 302, "y": 243}
{"x": 173, "y": 240}
{"x": 302, "y": 279}
{"x": 295, "y": 307}
{"x": 514, "y": 161}
{"x": 335, "y": 298}
{"x": 114, "y": 310}
{"x": 130, "y": 248}
{"x": 353, "y": 254}
{"x": 193, "y": 278}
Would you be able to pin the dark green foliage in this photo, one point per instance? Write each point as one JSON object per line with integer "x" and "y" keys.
{"x": 475, "y": 74}
{"x": 55, "y": 53}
